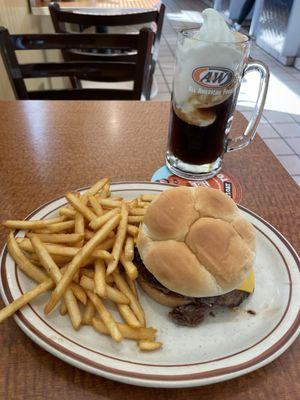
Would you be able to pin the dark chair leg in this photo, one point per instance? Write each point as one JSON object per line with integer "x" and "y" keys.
{"x": 149, "y": 86}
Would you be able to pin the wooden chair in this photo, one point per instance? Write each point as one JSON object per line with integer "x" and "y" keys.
{"x": 156, "y": 17}
{"x": 117, "y": 68}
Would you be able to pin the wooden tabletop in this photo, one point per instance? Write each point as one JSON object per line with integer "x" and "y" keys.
{"x": 40, "y": 7}
{"x": 48, "y": 148}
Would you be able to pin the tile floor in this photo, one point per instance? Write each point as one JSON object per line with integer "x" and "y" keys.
{"x": 280, "y": 125}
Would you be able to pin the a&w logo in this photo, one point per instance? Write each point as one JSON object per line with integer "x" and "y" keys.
{"x": 212, "y": 77}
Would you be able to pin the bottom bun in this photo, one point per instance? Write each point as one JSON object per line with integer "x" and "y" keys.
{"x": 168, "y": 300}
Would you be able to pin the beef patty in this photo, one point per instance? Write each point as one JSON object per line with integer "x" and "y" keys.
{"x": 193, "y": 313}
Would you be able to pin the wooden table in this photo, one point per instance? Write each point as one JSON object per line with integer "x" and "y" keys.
{"x": 50, "y": 147}
{"x": 40, "y": 7}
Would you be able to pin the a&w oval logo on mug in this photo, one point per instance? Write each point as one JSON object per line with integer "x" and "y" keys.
{"x": 212, "y": 77}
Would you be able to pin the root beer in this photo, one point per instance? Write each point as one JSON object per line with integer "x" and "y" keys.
{"x": 199, "y": 137}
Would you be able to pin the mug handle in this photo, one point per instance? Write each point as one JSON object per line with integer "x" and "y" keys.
{"x": 243, "y": 140}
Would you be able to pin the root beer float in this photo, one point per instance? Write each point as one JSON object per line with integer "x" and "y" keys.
{"x": 209, "y": 68}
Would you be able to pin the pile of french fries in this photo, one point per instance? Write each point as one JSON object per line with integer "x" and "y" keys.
{"x": 85, "y": 256}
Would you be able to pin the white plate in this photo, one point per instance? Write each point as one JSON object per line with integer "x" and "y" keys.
{"x": 222, "y": 347}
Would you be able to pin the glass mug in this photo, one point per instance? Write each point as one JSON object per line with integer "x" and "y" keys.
{"x": 205, "y": 91}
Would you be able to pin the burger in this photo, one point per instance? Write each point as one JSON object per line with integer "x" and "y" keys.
{"x": 195, "y": 253}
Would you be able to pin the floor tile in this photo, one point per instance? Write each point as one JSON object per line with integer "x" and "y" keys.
{"x": 277, "y": 116}
{"x": 296, "y": 74}
{"x": 266, "y": 131}
{"x": 169, "y": 78}
{"x": 291, "y": 164}
{"x": 296, "y": 117}
{"x": 162, "y": 87}
{"x": 159, "y": 79}
{"x": 278, "y": 146}
{"x": 297, "y": 179}
{"x": 283, "y": 76}
{"x": 294, "y": 144}
{"x": 162, "y": 97}
{"x": 289, "y": 130}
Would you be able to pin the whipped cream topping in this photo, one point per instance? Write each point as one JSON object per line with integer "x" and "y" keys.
{"x": 214, "y": 28}
{"x": 213, "y": 46}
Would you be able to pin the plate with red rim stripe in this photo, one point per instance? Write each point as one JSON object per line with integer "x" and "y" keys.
{"x": 228, "y": 345}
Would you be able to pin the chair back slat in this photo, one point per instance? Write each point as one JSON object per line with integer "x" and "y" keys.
{"x": 92, "y": 19}
{"x": 74, "y": 41}
{"x": 102, "y": 72}
{"x": 74, "y": 55}
{"x": 61, "y": 18}
{"x": 134, "y": 65}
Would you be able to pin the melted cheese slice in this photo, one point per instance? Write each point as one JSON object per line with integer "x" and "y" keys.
{"x": 248, "y": 284}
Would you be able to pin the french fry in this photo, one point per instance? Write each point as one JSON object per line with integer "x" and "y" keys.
{"x": 67, "y": 251}
{"x": 132, "y": 230}
{"x": 131, "y": 285}
{"x": 107, "y": 203}
{"x": 56, "y": 275}
{"x": 89, "y": 313}
{"x": 134, "y": 304}
{"x": 112, "y": 293}
{"x": 58, "y": 237}
{"x": 67, "y": 212}
{"x": 116, "y": 198}
{"x": 109, "y": 279}
{"x": 99, "y": 278}
{"x": 119, "y": 242}
{"x": 22, "y": 261}
{"x": 132, "y": 203}
{"x": 16, "y": 224}
{"x": 97, "y": 187}
{"x": 59, "y": 260}
{"x": 104, "y": 193}
{"x": 57, "y": 227}
{"x": 76, "y": 277}
{"x": 25, "y": 299}
{"x": 95, "y": 205}
{"x": 106, "y": 244}
{"x": 135, "y": 219}
{"x": 138, "y": 211}
{"x": 88, "y": 234}
{"x": 79, "y": 227}
{"x": 78, "y": 260}
{"x": 80, "y": 251}
{"x": 147, "y": 345}
{"x": 78, "y": 292}
{"x": 130, "y": 268}
{"x": 106, "y": 317}
{"x": 103, "y": 254}
{"x": 129, "y": 249}
{"x": 90, "y": 273}
{"x": 80, "y": 206}
{"x": 87, "y": 283}
{"x": 63, "y": 308}
{"x": 127, "y": 331}
{"x": 100, "y": 221}
{"x": 141, "y": 203}
{"x": 148, "y": 197}
{"x": 128, "y": 316}
{"x": 116, "y": 295}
